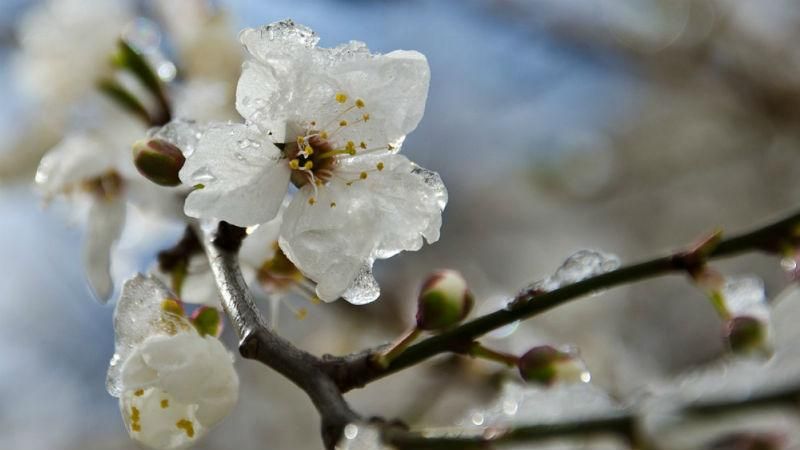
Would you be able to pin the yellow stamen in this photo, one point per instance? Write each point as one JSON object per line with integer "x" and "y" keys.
{"x": 323, "y": 134}
{"x": 351, "y": 146}
{"x": 308, "y": 150}
{"x": 139, "y": 392}
{"x": 300, "y": 140}
{"x": 186, "y": 426}
{"x": 341, "y": 97}
{"x": 294, "y": 164}
{"x": 301, "y": 313}
{"x": 165, "y": 403}
{"x": 363, "y": 145}
{"x": 342, "y": 123}
{"x": 312, "y": 200}
{"x": 333, "y": 204}
{"x": 308, "y": 165}
{"x": 379, "y": 166}
{"x": 136, "y": 427}
{"x": 363, "y": 175}
{"x": 365, "y": 117}
{"x": 135, "y": 414}
{"x": 359, "y": 103}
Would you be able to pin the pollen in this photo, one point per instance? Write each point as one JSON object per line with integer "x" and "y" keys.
{"x": 165, "y": 403}
{"x": 365, "y": 117}
{"x": 359, "y": 103}
{"x": 139, "y": 392}
{"x": 136, "y": 426}
{"x": 135, "y": 414}
{"x": 312, "y": 200}
{"x": 294, "y": 164}
{"x": 379, "y": 166}
{"x": 363, "y": 175}
{"x": 308, "y": 165}
{"x": 342, "y": 123}
{"x": 341, "y": 97}
{"x": 186, "y": 426}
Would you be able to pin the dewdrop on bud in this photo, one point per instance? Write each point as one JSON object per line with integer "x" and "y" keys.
{"x": 547, "y": 366}
{"x": 748, "y": 335}
{"x": 444, "y": 300}
{"x": 158, "y": 161}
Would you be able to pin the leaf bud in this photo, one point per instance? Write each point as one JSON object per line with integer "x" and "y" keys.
{"x": 158, "y": 161}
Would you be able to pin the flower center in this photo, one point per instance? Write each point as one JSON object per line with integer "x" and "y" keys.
{"x": 313, "y": 155}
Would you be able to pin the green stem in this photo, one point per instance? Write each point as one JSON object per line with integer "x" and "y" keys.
{"x": 478, "y": 350}
{"x": 385, "y": 358}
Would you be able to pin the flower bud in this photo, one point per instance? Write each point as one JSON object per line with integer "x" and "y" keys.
{"x": 747, "y": 335}
{"x": 444, "y": 300}
{"x": 547, "y": 365}
{"x": 158, "y": 161}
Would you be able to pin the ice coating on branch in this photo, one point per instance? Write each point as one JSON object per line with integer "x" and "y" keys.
{"x": 340, "y": 116}
{"x": 579, "y": 266}
{"x": 361, "y": 436}
{"x": 746, "y": 296}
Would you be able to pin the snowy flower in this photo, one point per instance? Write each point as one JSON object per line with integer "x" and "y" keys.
{"x": 339, "y": 116}
{"x": 173, "y": 384}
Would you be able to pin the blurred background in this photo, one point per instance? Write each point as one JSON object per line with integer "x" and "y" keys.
{"x": 630, "y": 126}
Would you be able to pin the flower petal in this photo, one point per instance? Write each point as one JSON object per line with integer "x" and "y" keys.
{"x": 243, "y": 181}
{"x": 106, "y": 221}
{"x": 335, "y": 238}
{"x": 74, "y": 159}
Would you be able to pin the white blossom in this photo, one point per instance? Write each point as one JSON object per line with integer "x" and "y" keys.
{"x": 65, "y": 46}
{"x": 341, "y": 115}
{"x": 173, "y": 384}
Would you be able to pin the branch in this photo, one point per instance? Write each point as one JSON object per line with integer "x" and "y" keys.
{"x": 623, "y": 424}
{"x": 357, "y": 370}
{"x": 258, "y": 342}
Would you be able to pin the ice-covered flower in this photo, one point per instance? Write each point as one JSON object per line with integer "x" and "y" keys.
{"x": 173, "y": 384}
{"x": 339, "y": 117}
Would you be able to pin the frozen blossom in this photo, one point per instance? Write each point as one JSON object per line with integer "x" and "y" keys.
{"x": 173, "y": 384}
{"x": 339, "y": 117}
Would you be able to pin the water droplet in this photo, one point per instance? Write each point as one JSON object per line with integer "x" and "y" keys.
{"x": 586, "y": 377}
{"x": 510, "y": 407}
{"x": 351, "y": 431}
{"x": 203, "y": 175}
{"x": 166, "y": 71}
{"x": 477, "y": 418}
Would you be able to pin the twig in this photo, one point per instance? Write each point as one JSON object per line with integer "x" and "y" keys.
{"x": 357, "y": 370}
{"x": 258, "y": 342}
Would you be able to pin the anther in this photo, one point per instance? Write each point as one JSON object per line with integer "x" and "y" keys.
{"x": 308, "y": 150}
{"x": 363, "y": 145}
{"x": 365, "y": 117}
{"x": 341, "y": 97}
{"x": 379, "y": 166}
{"x": 308, "y": 165}
{"x": 342, "y": 123}
{"x": 312, "y": 200}
{"x": 294, "y": 164}
{"x": 363, "y": 175}
{"x": 359, "y": 103}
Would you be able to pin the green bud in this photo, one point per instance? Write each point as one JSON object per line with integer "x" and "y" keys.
{"x": 444, "y": 300}
{"x": 158, "y": 161}
{"x": 207, "y": 321}
{"x": 747, "y": 335}
{"x": 547, "y": 365}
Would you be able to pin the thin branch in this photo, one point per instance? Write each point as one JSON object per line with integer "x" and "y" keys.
{"x": 258, "y": 342}
{"x": 357, "y": 370}
{"x": 623, "y": 424}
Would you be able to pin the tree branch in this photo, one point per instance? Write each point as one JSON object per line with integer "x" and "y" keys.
{"x": 258, "y": 342}
{"x": 621, "y": 423}
{"x": 357, "y": 370}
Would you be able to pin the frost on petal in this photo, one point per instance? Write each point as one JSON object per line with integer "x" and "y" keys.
{"x": 237, "y": 174}
{"x": 334, "y": 238}
{"x": 105, "y": 224}
{"x": 290, "y": 83}
{"x": 175, "y": 388}
{"x": 74, "y": 159}
{"x": 138, "y": 315}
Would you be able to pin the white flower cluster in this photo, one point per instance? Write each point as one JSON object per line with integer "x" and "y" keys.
{"x": 328, "y": 122}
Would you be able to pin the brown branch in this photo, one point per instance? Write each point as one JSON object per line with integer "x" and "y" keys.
{"x": 357, "y": 370}
{"x": 258, "y": 342}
